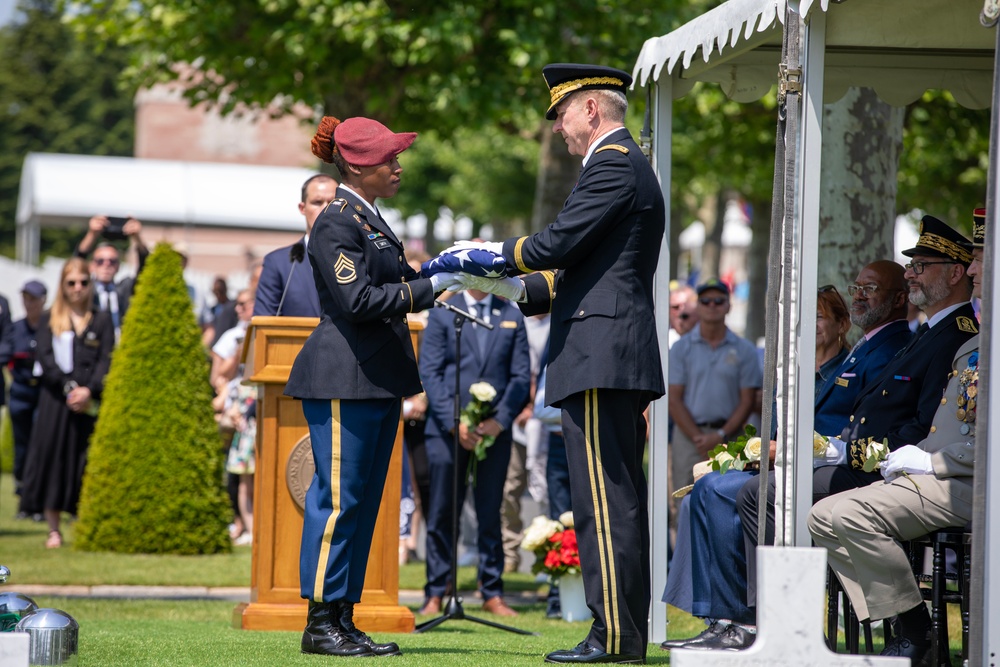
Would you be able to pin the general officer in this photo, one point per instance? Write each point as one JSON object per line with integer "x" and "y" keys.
{"x": 351, "y": 374}
{"x": 604, "y": 362}
{"x": 24, "y": 381}
{"x": 864, "y": 529}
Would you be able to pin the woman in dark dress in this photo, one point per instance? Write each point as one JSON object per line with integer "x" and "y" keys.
{"x": 74, "y": 350}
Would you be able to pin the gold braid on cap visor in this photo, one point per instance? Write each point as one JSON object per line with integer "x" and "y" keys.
{"x": 564, "y": 89}
{"x": 949, "y": 248}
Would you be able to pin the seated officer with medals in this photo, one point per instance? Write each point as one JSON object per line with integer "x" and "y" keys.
{"x": 898, "y": 405}
{"x": 928, "y": 485}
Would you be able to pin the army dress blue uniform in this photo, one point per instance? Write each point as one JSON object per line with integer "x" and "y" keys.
{"x": 595, "y": 266}
{"x": 351, "y": 374}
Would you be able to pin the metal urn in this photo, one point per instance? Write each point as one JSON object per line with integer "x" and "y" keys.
{"x": 13, "y": 607}
{"x": 54, "y": 636}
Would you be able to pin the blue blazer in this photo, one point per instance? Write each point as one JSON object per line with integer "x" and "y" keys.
{"x": 836, "y": 397}
{"x": 505, "y": 364}
{"x": 281, "y": 268}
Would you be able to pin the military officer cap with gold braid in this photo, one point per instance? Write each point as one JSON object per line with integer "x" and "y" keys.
{"x": 565, "y": 79}
{"x": 978, "y": 228}
{"x": 939, "y": 240}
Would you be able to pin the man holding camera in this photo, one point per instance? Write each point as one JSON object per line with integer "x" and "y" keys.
{"x": 109, "y": 295}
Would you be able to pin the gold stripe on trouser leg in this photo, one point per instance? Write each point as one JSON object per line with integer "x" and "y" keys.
{"x": 324, "y": 549}
{"x": 602, "y": 521}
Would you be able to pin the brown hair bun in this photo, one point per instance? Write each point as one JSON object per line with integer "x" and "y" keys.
{"x": 322, "y": 142}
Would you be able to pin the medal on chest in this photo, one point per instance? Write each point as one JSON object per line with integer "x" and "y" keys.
{"x": 968, "y": 389}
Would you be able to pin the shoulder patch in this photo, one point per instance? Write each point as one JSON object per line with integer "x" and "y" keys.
{"x": 613, "y": 147}
{"x": 966, "y": 324}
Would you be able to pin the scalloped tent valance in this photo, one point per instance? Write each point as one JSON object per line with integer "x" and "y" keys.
{"x": 899, "y": 49}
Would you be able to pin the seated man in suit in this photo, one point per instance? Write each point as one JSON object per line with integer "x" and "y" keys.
{"x": 718, "y": 565}
{"x": 500, "y": 357}
{"x": 287, "y": 285}
{"x": 927, "y": 486}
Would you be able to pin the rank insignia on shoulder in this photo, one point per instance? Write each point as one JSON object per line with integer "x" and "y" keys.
{"x": 345, "y": 270}
{"x": 613, "y": 147}
{"x": 966, "y": 324}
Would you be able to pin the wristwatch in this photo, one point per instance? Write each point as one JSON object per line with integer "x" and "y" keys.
{"x": 721, "y": 433}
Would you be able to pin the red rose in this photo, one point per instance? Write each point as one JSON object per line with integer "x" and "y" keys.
{"x": 569, "y": 539}
{"x": 552, "y": 560}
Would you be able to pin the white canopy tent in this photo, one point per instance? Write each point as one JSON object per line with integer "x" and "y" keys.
{"x": 57, "y": 190}
{"x": 899, "y": 48}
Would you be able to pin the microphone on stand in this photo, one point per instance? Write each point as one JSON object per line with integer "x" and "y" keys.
{"x": 296, "y": 254}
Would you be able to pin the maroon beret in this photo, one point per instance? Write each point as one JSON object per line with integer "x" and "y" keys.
{"x": 366, "y": 142}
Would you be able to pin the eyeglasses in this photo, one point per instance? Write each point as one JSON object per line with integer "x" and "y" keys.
{"x": 709, "y": 300}
{"x": 866, "y": 291}
{"x": 101, "y": 261}
{"x": 918, "y": 267}
{"x": 74, "y": 283}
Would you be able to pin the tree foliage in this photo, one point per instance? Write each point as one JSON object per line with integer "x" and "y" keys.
{"x": 57, "y": 95}
{"x": 154, "y": 474}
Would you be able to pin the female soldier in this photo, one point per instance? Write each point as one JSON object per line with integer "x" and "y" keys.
{"x": 352, "y": 373}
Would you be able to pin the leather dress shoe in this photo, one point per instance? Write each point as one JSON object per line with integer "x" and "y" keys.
{"x": 431, "y": 606}
{"x": 323, "y": 634}
{"x": 586, "y": 653}
{"x": 919, "y": 654}
{"x": 732, "y": 638}
{"x": 711, "y": 632}
{"x": 496, "y": 605}
{"x": 345, "y": 614}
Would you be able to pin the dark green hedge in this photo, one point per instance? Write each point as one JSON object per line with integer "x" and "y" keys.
{"x": 154, "y": 478}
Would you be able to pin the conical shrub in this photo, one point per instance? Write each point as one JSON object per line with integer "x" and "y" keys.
{"x": 154, "y": 477}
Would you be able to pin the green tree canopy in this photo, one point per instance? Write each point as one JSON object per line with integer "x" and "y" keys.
{"x": 154, "y": 474}
{"x": 57, "y": 95}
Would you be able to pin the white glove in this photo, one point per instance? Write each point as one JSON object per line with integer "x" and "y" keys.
{"x": 508, "y": 288}
{"x": 446, "y": 281}
{"x": 836, "y": 453}
{"x": 492, "y": 246}
{"x": 909, "y": 459}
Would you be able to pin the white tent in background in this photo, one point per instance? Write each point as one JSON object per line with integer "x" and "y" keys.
{"x": 899, "y": 48}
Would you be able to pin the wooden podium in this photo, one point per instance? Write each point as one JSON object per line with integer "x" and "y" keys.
{"x": 284, "y": 471}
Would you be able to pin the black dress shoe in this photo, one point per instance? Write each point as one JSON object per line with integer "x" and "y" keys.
{"x": 711, "y": 632}
{"x": 323, "y": 635}
{"x": 586, "y": 653}
{"x": 919, "y": 654}
{"x": 733, "y": 638}
{"x": 344, "y": 611}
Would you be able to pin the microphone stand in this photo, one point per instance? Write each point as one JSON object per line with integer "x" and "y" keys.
{"x": 453, "y": 608}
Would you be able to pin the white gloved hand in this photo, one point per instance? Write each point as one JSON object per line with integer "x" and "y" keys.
{"x": 836, "y": 453}
{"x": 492, "y": 246}
{"x": 909, "y": 459}
{"x": 508, "y": 288}
{"x": 446, "y": 281}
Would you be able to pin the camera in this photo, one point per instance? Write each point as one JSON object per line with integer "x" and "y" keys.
{"x": 115, "y": 229}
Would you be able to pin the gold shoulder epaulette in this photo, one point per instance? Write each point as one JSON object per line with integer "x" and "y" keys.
{"x": 339, "y": 201}
{"x": 966, "y": 324}
{"x": 613, "y": 147}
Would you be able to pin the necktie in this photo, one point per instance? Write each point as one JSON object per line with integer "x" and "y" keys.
{"x": 482, "y": 332}
{"x": 921, "y": 330}
{"x": 857, "y": 346}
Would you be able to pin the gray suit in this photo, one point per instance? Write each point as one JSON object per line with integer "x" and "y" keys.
{"x": 862, "y": 529}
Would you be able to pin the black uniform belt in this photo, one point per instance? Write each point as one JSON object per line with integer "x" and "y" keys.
{"x": 718, "y": 423}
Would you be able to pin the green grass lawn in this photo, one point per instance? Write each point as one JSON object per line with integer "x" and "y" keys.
{"x": 195, "y": 632}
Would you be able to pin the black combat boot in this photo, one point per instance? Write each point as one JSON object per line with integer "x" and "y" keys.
{"x": 344, "y": 614}
{"x": 324, "y": 635}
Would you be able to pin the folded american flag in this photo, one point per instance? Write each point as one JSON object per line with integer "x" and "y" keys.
{"x": 474, "y": 261}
